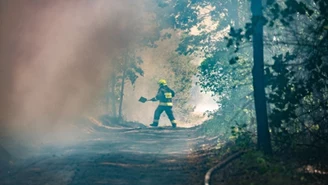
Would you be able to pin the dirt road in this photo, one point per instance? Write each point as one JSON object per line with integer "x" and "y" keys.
{"x": 124, "y": 156}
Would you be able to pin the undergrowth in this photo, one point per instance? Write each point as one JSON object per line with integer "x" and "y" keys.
{"x": 255, "y": 168}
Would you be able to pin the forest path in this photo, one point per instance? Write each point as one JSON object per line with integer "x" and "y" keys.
{"x": 117, "y": 156}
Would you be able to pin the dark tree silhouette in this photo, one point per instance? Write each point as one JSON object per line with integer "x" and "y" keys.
{"x": 263, "y": 139}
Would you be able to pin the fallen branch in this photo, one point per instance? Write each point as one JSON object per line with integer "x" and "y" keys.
{"x": 221, "y": 165}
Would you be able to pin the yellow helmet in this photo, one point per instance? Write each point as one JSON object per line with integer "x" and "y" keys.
{"x": 162, "y": 82}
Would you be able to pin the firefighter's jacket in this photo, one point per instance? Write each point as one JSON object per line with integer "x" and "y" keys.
{"x": 164, "y": 96}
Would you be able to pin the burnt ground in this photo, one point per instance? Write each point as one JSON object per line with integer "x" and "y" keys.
{"x": 118, "y": 156}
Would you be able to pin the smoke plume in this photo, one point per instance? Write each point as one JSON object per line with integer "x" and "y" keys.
{"x": 55, "y": 56}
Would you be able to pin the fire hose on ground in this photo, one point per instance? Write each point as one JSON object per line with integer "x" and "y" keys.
{"x": 221, "y": 165}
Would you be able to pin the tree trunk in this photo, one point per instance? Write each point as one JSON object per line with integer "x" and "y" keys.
{"x": 113, "y": 97}
{"x": 121, "y": 94}
{"x": 263, "y": 135}
{"x": 108, "y": 94}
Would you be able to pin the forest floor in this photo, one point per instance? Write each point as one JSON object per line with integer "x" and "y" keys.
{"x": 118, "y": 156}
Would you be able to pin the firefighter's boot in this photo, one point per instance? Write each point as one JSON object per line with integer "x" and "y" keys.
{"x": 153, "y": 125}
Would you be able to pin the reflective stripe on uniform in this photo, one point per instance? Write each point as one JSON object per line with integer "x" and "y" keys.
{"x": 174, "y": 121}
{"x": 166, "y": 103}
{"x": 168, "y": 95}
{"x": 155, "y": 120}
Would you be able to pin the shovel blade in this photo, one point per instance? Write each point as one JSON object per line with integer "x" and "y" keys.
{"x": 142, "y": 99}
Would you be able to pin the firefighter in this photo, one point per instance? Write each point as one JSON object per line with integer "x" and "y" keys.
{"x": 164, "y": 96}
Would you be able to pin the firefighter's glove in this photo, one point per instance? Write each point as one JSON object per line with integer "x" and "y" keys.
{"x": 153, "y": 99}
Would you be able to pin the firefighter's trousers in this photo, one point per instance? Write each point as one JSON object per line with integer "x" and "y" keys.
{"x": 159, "y": 110}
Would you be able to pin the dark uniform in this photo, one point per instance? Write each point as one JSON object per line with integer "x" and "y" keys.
{"x": 164, "y": 96}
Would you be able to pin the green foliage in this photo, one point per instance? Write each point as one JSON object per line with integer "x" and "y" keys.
{"x": 186, "y": 15}
{"x": 257, "y": 169}
{"x": 297, "y": 81}
{"x": 217, "y": 75}
{"x": 236, "y": 107}
{"x": 241, "y": 135}
{"x": 296, "y": 73}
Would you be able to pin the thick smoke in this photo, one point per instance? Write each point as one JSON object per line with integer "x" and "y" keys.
{"x": 55, "y": 57}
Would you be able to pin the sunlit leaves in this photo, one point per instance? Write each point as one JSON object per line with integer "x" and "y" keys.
{"x": 219, "y": 75}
